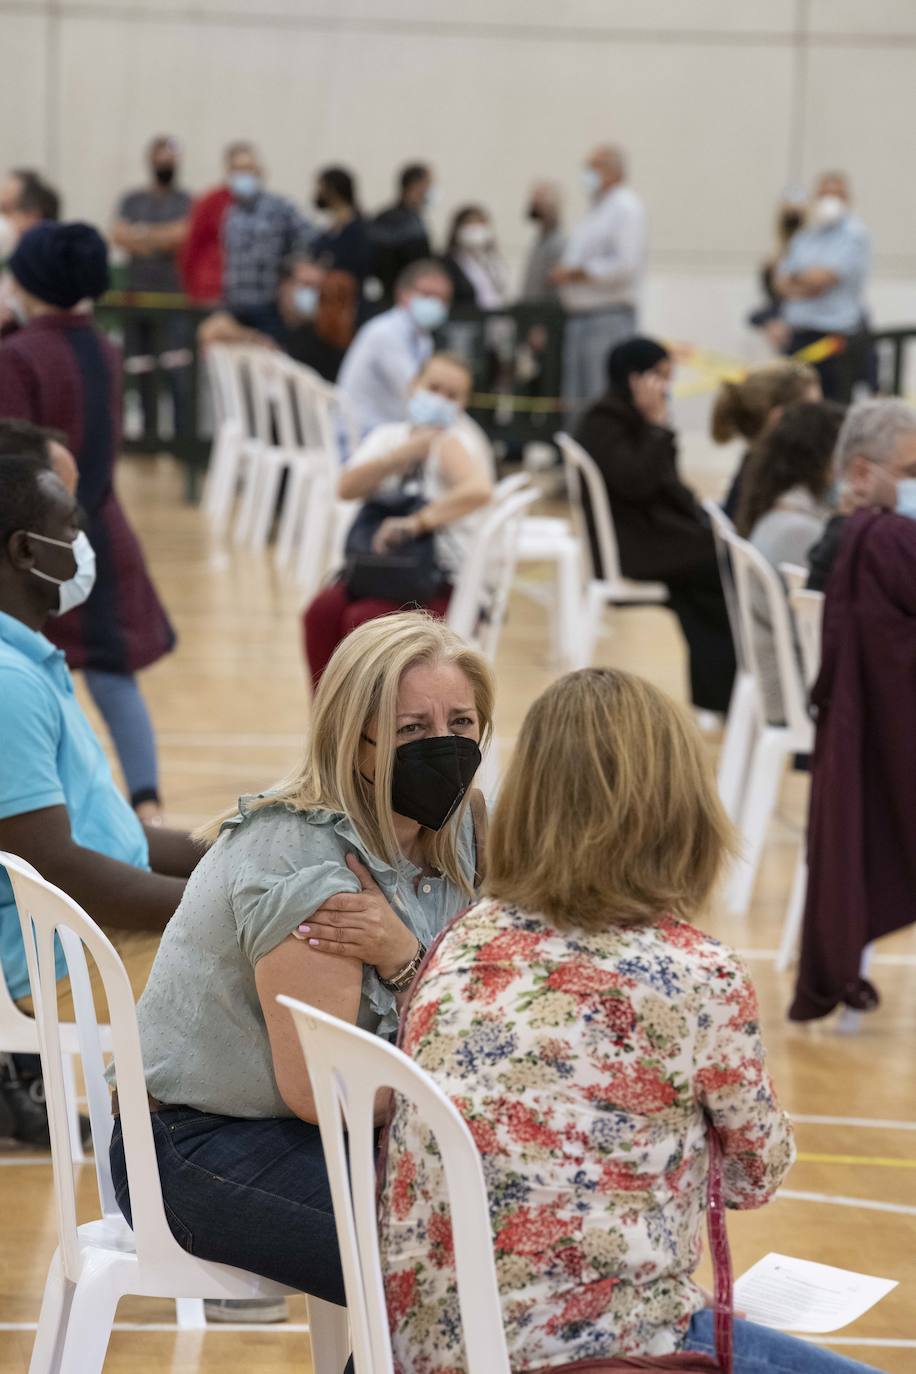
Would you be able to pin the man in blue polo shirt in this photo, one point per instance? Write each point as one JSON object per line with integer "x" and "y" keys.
{"x": 59, "y": 807}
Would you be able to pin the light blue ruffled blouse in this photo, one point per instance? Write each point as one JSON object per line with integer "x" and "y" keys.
{"x": 202, "y": 1032}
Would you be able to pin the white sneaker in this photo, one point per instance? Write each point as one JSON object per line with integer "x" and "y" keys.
{"x": 261, "y": 1310}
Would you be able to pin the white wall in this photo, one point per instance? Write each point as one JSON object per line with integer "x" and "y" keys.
{"x": 721, "y": 103}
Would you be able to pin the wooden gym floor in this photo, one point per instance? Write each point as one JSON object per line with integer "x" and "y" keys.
{"x": 230, "y": 707}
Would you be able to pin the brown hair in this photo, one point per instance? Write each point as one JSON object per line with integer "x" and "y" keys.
{"x": 609, "y": 811}
{"x": 743, "y": 407}
{"x": 796, "y": 452}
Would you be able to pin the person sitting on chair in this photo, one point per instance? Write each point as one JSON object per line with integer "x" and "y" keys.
{"x": 662, "y": 533}
{"x": 785, "y": 505}
{"x": 442, "y": 455}
{"x": 375, "y": 843}
{"x": 59, "y": 807}
{"x": 594, "y": 1040}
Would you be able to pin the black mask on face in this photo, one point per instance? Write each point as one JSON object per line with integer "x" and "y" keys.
{"x": 321, "y": 201}
{"x": 791, "y": 221}
{"x": 165, "y": 175}
{"x": 430, "y": 776}
{"x": 534, "y": 212}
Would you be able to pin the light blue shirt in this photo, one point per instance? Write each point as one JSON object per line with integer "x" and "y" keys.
{"x": 845, "y": 249}
{"x": 380, "y": 365}
{"x": 202, "y": 1031}
{"x": 49, "y": 756}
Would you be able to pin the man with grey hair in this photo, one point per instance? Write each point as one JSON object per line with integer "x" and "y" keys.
{"x": 600, "y": 276}
{"x": 875, "y": 453}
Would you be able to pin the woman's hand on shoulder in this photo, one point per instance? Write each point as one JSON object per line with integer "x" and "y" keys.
{"x": 361, "y": 925}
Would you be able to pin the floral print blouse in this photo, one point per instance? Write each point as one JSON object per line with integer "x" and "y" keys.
{"x": 587, "y": 1066}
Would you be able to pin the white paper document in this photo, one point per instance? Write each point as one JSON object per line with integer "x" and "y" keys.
{"x": 799, "y": 1295}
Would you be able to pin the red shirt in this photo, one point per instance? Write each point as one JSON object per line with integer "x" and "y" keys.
{"x": 202, "y": 254}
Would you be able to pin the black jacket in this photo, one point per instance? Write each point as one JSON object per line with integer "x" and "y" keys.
{"x": 662, "y": 533}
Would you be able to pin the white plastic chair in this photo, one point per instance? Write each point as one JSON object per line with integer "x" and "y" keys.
{"x": 346, "y": 1068}
{"x": 477, "y": 608}
{"x": 102, "y": 1261}
{"x": 612, "y": 589}
{"x": 808, "y": 611}
{"x": 744, "y": 711}
{"x": 19, "y": 1035}
{"x": 240, "y": 432}
{"x": 794, "y": 575}
{"x": 775, "y": 743}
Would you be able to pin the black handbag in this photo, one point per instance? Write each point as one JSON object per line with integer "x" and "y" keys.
{"x": 410, "y": 573}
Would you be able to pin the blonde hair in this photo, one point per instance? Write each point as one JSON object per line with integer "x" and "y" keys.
{"x": 743, "y": 407}
{"x": 609, "y": 812}
{"x": 359, "y": 686}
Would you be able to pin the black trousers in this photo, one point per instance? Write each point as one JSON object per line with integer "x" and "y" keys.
{"x": 697, "y": 599}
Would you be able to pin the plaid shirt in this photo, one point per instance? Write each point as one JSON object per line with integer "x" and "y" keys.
{"x": 257, "y": 238}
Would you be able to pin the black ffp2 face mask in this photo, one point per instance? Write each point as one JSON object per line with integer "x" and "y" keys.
{"x": 430, "y": 776}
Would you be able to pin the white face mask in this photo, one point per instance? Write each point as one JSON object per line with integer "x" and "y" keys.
{"x": 591, "y": 182}
{"x": 827, "y": 210}
{"x": 476, "y": 237}
{"x": 8, "y": 237}
{"x": 73, "y": 591}
{"x": 906, "y": 497}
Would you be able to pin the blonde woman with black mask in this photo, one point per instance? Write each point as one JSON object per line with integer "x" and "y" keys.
{"x": 372, "y": 845}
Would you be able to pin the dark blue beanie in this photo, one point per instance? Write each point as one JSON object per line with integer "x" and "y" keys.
{"x": 61, "y": 264}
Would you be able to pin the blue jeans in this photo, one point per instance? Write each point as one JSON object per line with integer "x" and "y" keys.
{"x": 760, "y": 1350}
{"x": 125, "y": 713}
{"x": 254, "y": 1194}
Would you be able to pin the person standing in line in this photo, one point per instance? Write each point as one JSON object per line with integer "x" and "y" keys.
{"x": 473, "y": 260}
{"x": 544, "y": 210}
{"x": 201, "y": 260}
{"x": 261, "y": 233}
{"x": 150, "y": 226}
{"x": 398, "y": 234}
{"x": 822, "y": 283}
{"x": 600, "y": 276}
{"x": 59, "y": 371}
{"x": 25, "y": 200}
{"x": 388, "y": 352}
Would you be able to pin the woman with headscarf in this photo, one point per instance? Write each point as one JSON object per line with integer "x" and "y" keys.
{"x": 662, "y": 533}
{"x": 59, "y": 371}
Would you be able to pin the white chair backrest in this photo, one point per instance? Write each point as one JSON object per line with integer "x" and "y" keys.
{"x": 45, "y": 911}
{"x": 721, "y": 527}
{"x": 753, "y": 573}
{"x": 583, "y": 472}
{"x": 346, "y": 1068}
{"x": 808, "y": 609}
{"x": 18, "y": 1034}
{"x": 478, "y": 603}
{"x": 794, "y": 576}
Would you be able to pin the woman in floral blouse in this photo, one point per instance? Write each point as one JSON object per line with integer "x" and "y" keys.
{"x": 590, "y": 1035}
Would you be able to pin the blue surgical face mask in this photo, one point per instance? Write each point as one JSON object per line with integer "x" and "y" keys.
{"x": 429, "y": 408}
{"x": 428, "y": 312}
{"x": 591, "y": 182}
{"x": 244, "y": 185}
{"x": 906, "y": 497}
{"x": 305, "y": 301}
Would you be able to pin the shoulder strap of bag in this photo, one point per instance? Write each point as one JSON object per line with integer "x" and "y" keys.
{"x": 481, "y": 818}
{"x": 720, "y": 1255}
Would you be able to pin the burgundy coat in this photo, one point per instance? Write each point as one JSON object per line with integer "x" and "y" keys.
{"x": 862, "y": 823}
{"x": 60, "y": 371}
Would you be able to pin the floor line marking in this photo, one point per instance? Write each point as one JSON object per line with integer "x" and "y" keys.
{"x": 889, "y": 960}
{"x": 300, "y": 1329}
{"x": 866, "y": 1122}
{"x": 838, "y": 1200}
{"x": 288, "y": 1328}
{"x": 875, "y": 1161}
